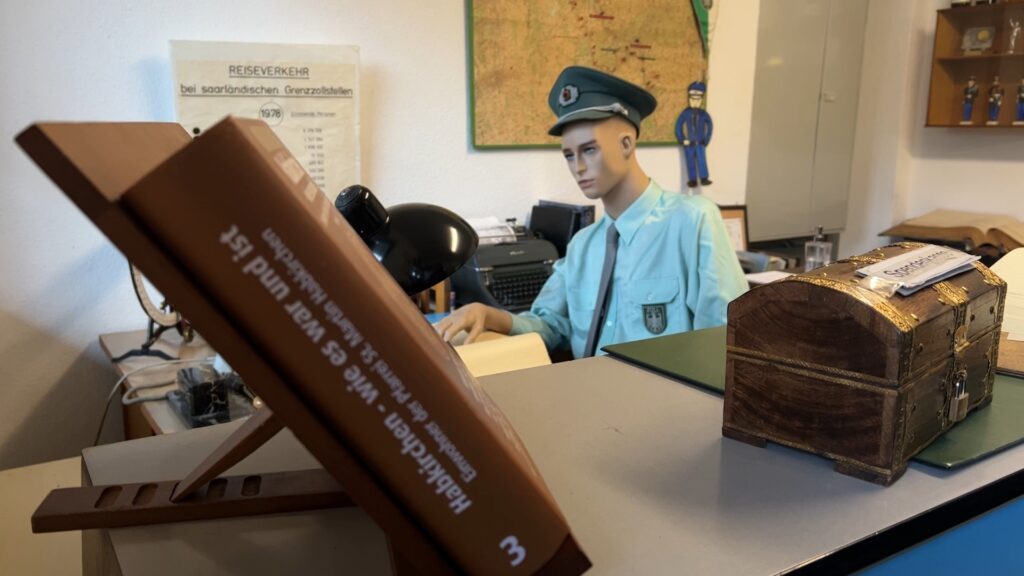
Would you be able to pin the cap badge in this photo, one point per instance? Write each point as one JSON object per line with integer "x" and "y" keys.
{"x": 569, "y": 95}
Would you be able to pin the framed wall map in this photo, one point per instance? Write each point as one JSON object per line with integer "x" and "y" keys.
{"x": 518, "y": 47}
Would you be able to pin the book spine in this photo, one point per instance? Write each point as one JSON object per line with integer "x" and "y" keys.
{"x": 270, "y": 251}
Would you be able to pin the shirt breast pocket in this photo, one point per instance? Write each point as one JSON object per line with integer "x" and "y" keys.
{"x": 581, "y": 308}
{"x": 653, "y": 305}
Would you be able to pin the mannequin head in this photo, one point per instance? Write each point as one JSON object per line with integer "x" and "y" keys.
{"x": 598, "y": 117}
{"x": 601, "y": 156}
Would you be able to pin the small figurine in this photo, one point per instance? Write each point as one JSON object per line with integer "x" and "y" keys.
{"x": 970, "y": 93}
{"x": 693, "y": 131}
{"x": 995, "y": 101}
{"x": 1020, "y": 104}
{"x": 1015, "y": 31}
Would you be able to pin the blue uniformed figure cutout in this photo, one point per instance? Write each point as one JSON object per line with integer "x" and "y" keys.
{"x": 1020, "y": 102}
{"x": 693, "y": 131}
{"x": 970, "y": 93}
{"x": 995, "y": 100}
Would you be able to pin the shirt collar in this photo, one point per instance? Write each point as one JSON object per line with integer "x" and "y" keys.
{"x": 636, "y": 214}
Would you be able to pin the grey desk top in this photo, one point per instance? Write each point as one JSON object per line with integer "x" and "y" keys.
{"x": 637, "y": 463}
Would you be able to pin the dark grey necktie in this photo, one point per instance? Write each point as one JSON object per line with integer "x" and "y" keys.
{"x": 604, "y": 292}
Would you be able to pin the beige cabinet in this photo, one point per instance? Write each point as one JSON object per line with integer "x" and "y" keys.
{"x": 806, "y": 89}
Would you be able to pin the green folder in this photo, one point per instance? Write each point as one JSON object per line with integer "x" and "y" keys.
{"x": 985, "y": 431}
{"x": 698, "y": 358}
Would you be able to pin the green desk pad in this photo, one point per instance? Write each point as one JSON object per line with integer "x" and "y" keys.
{"x": 698, "y": 358}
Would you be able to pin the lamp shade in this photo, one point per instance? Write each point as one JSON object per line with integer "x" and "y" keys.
{"x": 419, "y": 244}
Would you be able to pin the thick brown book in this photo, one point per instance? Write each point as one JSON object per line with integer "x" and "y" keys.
{"x": 235, "y": 233}
{"x": 972, "y": 228}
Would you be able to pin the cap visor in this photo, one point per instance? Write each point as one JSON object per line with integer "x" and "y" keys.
{"x": 556, "y": 130}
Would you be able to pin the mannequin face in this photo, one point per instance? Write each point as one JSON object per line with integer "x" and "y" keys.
{"x": 598, "y": 154}
{"x": 696, "y": 100}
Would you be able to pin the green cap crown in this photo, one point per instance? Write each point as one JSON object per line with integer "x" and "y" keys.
{"x": 586, "y": 94}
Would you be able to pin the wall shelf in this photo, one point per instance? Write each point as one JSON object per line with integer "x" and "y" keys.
{"x": 951, "y": 68}
{"x": 976, "y": 57}
{"x": 983, "y": 10}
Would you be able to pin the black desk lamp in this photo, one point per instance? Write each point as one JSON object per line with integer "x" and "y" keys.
{"x": 420, "y": 244}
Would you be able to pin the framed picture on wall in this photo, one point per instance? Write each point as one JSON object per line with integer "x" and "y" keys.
{"x": 735, "y": 218}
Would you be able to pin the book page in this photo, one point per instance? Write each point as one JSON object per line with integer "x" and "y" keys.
{"x": 958, "y": 219}
{"x": 1011, "y": 269}
{"x": 1015, "y": 230}
{"x": 504, "y": 354}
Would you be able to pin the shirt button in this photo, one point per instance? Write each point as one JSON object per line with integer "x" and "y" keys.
{"x": 650, "y": 296}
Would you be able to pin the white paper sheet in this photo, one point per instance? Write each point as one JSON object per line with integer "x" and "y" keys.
{"x": 308, "y": 94}
{"x": 1011, "y": 269}
{"x": 921, "y": 267}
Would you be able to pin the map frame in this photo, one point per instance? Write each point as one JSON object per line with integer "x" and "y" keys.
{"x": 671, "y": 95}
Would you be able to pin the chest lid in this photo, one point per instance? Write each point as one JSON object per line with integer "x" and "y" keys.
{"x": 827, "y": 321}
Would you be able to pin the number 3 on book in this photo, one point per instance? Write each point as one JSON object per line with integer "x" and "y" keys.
{"x": 517, "y": 552}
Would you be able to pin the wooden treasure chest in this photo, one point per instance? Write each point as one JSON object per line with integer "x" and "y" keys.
{"x": 821, "y": 363}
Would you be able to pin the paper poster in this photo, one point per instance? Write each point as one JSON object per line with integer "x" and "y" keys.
{"x": 309, "y": 95}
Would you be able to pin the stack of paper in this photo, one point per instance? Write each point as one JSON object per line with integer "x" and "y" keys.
{"x": 492, "y": 231}
{"x": 918, "y": 268}
{"x": 1011, "y": 269}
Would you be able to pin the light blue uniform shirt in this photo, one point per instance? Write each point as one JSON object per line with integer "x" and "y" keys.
{"x": 674, "y": 271}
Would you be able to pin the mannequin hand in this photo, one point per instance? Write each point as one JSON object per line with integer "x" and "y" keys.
{"x": 473, "y": 318}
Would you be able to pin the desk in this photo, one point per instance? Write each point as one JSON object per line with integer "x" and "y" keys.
{"x": 636, "y": 462}
{"x": 490, "y": 354}
{"x": 148, "y": 418}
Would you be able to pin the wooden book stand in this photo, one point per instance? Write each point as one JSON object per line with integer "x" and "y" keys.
{"x": 355, "y": 411}
{"x": 201, "y": 495}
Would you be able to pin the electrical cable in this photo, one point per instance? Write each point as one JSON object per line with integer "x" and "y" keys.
{"x": 126, "y": 401}
{"x": 121, "y": 380}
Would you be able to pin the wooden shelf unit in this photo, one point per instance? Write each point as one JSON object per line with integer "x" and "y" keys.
{"x": 951, "y": 68}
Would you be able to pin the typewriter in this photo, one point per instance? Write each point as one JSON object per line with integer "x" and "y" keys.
{"x": 507, "y": 275}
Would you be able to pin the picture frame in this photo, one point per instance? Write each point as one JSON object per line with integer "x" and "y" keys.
{"x": 735, "y": 218}
{"x": 978, "y": 39}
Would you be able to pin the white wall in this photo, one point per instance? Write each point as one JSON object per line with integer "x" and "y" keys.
{"x": 881, "y": 157}
{"x": 63, "y": 283}
{"x": 903, "y": 169}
